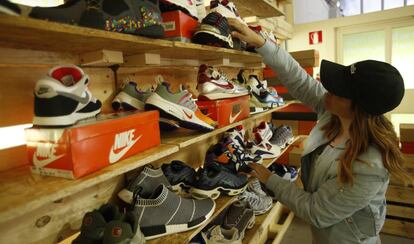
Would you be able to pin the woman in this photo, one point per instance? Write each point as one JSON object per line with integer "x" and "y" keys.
{"x": 351, "y": 151}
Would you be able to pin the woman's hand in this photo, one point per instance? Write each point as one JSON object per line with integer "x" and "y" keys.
{"x": 260, "y": 172}
{"x": 244, "y": 33}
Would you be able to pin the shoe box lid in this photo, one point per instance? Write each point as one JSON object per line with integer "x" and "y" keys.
{"x": 178, "y": 25}
{"x": 226, "y": 111}
{"x": 92, "y": 144}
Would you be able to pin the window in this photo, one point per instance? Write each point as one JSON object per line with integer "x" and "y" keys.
{"x": 371, "y": 6}
{"x": 361, "y": 46}
{"x": 351, "y": 7}
{"x": 403, "y": 53}
{"x": 393, "y": 4}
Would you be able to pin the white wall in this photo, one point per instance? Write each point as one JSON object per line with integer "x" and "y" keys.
{"x": 310, "y": 10}
{"x": 327, "y": 49}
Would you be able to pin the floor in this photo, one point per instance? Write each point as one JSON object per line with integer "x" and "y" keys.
{"x": 300, "y": 226}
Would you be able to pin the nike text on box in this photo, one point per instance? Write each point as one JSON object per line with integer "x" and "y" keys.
{"x": 76, "y": 151}
{"x": 226, "y": 111}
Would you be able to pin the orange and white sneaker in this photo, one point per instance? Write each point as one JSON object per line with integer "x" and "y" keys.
{"x": 179, "y": 106}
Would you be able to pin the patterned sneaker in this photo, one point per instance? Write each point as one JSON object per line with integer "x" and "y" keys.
{"x": 258, "y": 89}
{"x": 257, "y": 198}
{"x": 237, "y": 135}
{"x": 130, "y": 98}
{"x": 243, "y": 157}
{"x": 282, "y": 136}
{"x": 180, "y": 175}
{"x": 62, "y": 97}
{"x": 148, "y": 180}
{"x": 214, "y": 31}
{"x": 137, "y": 17}
{"x": 214, "y": 179}
{"x": 213, "y": 85}
{"x": 179, "y": 106}
{"x": 163, "y": 212}
{"x": 263, "y": 148}
{"x": 264, "y": 130}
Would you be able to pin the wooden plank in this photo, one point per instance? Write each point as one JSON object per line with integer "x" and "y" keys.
{"x": 19, "y": 58}
{"x": 101, "y": 58}
{"x": 28, "y": 33}
{"x": 54, "y": 221}
{"x": 185, "y": 237}
{"x": 399, "y": 228}
{"x": 307, "y": 58}
{"x": 259, "y": 8}
{"x": 400, "y": 194}
{"x": 400, "y": 211}
{"x": 22, "y": 192}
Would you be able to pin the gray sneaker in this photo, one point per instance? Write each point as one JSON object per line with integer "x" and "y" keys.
{"x": 148, "y": 180}
{"x": 282, "y": 136}
{"x": 217, "y": 235}
{"x": 131, "y": 98}
{"x": 164, "y": 213}
{"x": 260, "y": 204}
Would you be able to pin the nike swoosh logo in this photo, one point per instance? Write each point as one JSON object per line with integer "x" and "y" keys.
{"x": 114, "y": 157}
{"x": 41, "y": 163}
{"x": 188, "y": 116}
{"x": 233, "y": 118}
{"x": 83, "y": 100}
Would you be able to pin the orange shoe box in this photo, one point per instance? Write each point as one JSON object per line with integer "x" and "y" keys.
{"x": 95, "y": 143}
{"x": 178, "y": 26}
{"x": 226, "y": 111}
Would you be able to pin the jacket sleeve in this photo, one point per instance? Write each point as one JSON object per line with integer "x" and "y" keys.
{"x": 293, "y": 76}
{"x": 331, "y": 203}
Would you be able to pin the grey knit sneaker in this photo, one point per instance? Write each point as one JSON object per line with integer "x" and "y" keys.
{"x": 217, "y": 235}
{"x": 148, "y": 180}
{"x": 164, "y": 213}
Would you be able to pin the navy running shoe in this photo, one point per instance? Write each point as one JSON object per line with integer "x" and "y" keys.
{"x": 214, "y": 31}
{"x": 180, "y": 175}
{"x": 214, "y": 179}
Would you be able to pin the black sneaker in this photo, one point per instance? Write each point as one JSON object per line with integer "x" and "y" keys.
{"x": 214, "y": 31}
{"x": 62, "y": 97}
{"x": 9, "y": 8}
{"x": 140, "y": 17}
{"x": 214, "y": 179}
{"x": 180, "y": 175}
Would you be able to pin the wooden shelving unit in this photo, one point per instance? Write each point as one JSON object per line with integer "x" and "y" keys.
{"x": 260, "y": 8}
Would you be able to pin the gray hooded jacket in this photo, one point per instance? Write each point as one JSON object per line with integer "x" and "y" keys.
{"x": 337, "y": 213}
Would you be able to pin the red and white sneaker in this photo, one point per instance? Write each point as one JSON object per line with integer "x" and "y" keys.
{"x": 264, "y": 130}
{"x": 214, "y": 85}
{"x": 263, "y": 148}
{"x": 225, "y": 8}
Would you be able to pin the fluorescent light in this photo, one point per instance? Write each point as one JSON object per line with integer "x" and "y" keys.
{"x": 12, "y": 136}
{"x": 41, "y": 3}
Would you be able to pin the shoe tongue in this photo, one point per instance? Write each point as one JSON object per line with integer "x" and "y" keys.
{"x": 176, "y": 166}
{"x": 68, "y": 76}
{"x": 132, "y": 83}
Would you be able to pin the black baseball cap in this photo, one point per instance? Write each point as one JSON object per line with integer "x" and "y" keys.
{"x": 375, "y": 86}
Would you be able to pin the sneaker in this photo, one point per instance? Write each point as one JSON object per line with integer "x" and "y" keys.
{"x": 130, "y": 98}
{"x": 243, "y": 157}
{"x": 226, "y": 9}
{"x": 285, "y": 172}
{"x": 180, "y": 175}
{"x": 273, "y": 92}
{"x": 261, "y": 203}
{"x": 237, "y": 135}
{"x": 108, "y": 225}
{"x": 62, "y": 97}
{"x": 282, "y": 136}
{"x": 263, "y": 148}
{"x": 179, "y": 106}
{"x": 214, "y": 179}
{"x": 264, "y": 130}
{"x": 147, "y": 181}
{"x": 137, "y": 17}
{"x": 213, "y": 85}
{"x": 163, "y": 212}
{"x": 231, "y": 224}
{"x": 225, "y": 154}
{"x": 168, "y": 124}
{"x": 187, "y": 6}
{"x": 214, "y": 31}
{"x": 9, "y": 8}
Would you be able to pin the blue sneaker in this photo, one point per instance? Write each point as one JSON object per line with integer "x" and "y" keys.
{"x": 180, "y": 175}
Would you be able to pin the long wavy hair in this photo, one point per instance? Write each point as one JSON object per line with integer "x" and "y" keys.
{"x": 364, "y": 130}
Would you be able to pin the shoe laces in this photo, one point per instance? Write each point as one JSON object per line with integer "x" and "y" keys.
{"x": 93, "y": 4}
{"x": 135, "y": 196}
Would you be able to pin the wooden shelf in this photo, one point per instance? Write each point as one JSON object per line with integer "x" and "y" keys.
{"x": 260, "y": 8}
{"x": 27, "y": 33}
{"x": 184, "y": 138}
{"x": 185, "y": 237}
{"x": 22, "y": 192}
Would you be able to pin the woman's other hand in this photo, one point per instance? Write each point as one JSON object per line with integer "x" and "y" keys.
{"x": 260, "y": 172}
{"x": 244, "y": 33}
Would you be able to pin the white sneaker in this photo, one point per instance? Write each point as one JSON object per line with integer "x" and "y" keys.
{"x": 225, "y": 8}
{"x": 263, "y": 148}
{"x": 260, "y": 203}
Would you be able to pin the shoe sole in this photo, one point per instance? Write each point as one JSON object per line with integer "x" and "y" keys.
{"x": 125, "y": 100}
{"x": 7, "y": 11}
{"x": 65, "y": 120}
{"x": 152, "y": 232}
{"x": 211, "y": 39}
{"x": 176, "y": 112}
{"x": 215, "y": 193}
{"x": 219, "y": 95}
